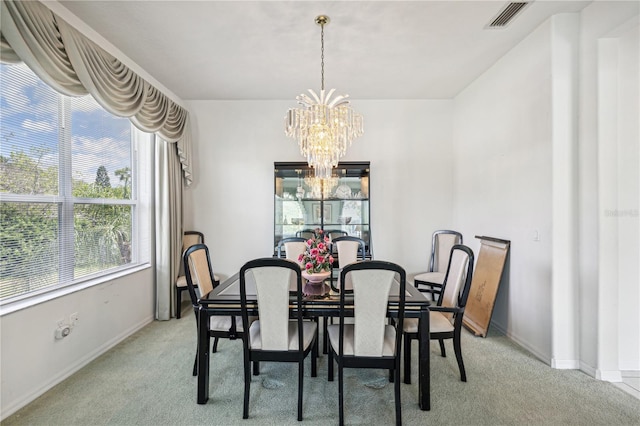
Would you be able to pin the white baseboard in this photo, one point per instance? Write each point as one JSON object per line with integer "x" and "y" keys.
{"x": 587, "y": 369}
{"x": 67, "y": 372}
{"x": 609, "y": 375}
{"x": 570, "y": 364}
{"x": 565, "y": 364}
{"x": 522, "y": 343}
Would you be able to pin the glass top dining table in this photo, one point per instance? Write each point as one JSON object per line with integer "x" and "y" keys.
{"x": 225, "y": 300}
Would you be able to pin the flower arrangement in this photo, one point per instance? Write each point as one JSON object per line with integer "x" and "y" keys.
{"x": 316, "y": 257}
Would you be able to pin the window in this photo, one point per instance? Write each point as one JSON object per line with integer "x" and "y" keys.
{"x": 69, "y": 204}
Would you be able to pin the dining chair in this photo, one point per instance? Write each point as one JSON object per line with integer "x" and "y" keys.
{"x": 369, "y": 342}
{"x": 306, "y": 233}
{"x": 293, "y": 247}
{"x": 274, "y": 336}
{"x": 445, "y": 318}
{"x": 432, "y": 280}
{"x": 335, "y": 233}
{"x": 349, "y": 249}
{"x": 189, "y": 238}
{"x": 346, "y": 249}
{"x": 198, "y": 272}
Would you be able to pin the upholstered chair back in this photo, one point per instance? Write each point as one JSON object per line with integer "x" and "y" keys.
{"x": 272, "y": 285}
{"x": 348, "y": 249}
{"x": 190, "y": 239}
{"x": 294, "y": 249}
{"x": 443, "y": 244}
{"x": 200, "y": 272}
{"x": 347, "y": 252}
{"x": 454, "y": 280}
{"x": 371, "y": 297}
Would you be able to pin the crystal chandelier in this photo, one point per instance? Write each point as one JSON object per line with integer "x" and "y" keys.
{"x": 324, "y": 127}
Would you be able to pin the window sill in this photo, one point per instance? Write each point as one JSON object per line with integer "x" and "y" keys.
{"x": 29, "y": 301}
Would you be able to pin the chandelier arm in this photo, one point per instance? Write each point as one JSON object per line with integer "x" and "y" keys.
{"x": 326, "y": 98}
{"x": 315, "y": 96}
{"x": 342, "y": 99}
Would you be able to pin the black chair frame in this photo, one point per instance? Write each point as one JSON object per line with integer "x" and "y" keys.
{"x": 305, "y": 231}
{"x": 388, "y": 363}
{"x": 336, "y": 232}
{"x": 256, "y": 356}
{"x": 179, "y": 290}
{"x": 232, "y": 333}
{"x": 434, "y": 289}
{"x": 458, "y": 313}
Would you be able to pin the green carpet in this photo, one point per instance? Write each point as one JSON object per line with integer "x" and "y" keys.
{"x": 146, "y": 380}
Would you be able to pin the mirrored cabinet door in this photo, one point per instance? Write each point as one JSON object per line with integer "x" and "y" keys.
{"x": 303, "y": 202}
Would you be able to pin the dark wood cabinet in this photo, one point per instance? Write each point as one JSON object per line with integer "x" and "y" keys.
{"x": 302, "y": 202}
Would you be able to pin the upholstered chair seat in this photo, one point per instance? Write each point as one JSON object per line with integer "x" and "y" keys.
{"x": 388, "y": 345}
{"x": 430, "y": 277}
{"x": 220, "y": 323}
{"x": 438, "y": 323}
{"x": 309, "y": 330}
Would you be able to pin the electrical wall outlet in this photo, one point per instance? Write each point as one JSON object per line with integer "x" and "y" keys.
{"x": 63, "y": 331}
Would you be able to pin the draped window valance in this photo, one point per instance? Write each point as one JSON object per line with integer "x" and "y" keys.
{"x": 75, "y": 66}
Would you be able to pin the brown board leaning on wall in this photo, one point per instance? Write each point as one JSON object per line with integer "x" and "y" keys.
{"x": 484, "y": 287}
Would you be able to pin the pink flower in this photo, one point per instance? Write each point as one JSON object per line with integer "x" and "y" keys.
{"x": 316, "y": 255}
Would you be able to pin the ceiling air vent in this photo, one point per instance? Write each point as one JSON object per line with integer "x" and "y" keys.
{"x": 508, "y": 12}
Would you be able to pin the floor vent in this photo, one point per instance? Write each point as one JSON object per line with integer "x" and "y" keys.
{"x": 507, "y": 14}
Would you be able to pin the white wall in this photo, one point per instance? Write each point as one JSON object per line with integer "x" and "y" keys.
{"x": 598, "y": 20}
{"x": 618, "y": 339}
{"x": 33, "y": 361}
{"x": 503, "y": 182}
{"x": 572, "y": 297}
{"x": 609, "y": 298}
{"x": 628, "y": 207}
{"x": 407, "y": 142}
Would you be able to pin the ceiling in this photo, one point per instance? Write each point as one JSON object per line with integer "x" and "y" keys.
{"x": 264, "y": 50}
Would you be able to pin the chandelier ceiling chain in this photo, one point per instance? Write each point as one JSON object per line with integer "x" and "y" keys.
{"x": 322, "y": 23}
{"x": 323, "y": 127}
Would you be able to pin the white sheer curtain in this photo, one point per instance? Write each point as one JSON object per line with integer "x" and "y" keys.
{"x": 168, "y": 229}
{"x": 74, "y": 65}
